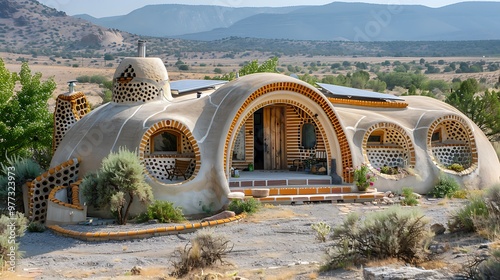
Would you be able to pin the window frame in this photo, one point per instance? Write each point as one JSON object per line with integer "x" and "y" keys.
{"x": 376, "y": 133}
{"x": 302, "y": 136}
{"x": 242, "y": 134}
{"x": 174, "y": 132}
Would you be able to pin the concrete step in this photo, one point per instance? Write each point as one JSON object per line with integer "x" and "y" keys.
{"x": 303, "y": 194}
{"x": 334, "y": 198}
{"x": 248, "y": 183}
{"x": 298, "y": 190}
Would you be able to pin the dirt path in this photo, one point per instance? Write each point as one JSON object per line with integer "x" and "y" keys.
{"x": 276, "y": 243}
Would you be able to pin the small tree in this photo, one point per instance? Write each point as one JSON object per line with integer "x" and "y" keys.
{"x": 118, "y": 183}
{"x": 26, "y": 124}
{"x": 483, "y": 110}
{"x": 252, "y": 67}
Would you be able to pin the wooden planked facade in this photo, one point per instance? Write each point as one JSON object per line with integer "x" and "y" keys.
{"x": 283, "y": 135}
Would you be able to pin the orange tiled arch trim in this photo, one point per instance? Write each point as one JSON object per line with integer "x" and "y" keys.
{"x": 74, "y": 196}
{"x": 311, "y": 94}
{"x": 171, "y": 124}
{"x": 470, "y": 134}
{"x": 143, "y": 233}
{"x": 364, "y": 103}
{"x": 391, "y": 126}
{"x": 293, "y": 103}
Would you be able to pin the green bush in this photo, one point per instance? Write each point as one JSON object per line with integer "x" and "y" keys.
{"x": 445, "y": 187}
{"x": 410, "y": 199}
{"x": 457, "y": 167}
{"x": 36, "y": 227}
{"x": 163, "y": 211}
{"x": 396, "y": 232}
{"x": 6, "y": 238}
{"x": 249, "y": 205}
{"x": 389, "y": 170}
{"x": 463, "y": 219}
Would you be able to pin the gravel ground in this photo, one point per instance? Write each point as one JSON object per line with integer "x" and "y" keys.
{"x": 276, "y": 243}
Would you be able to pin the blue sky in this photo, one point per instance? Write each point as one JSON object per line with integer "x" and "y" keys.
{"x": 103, "y": 8}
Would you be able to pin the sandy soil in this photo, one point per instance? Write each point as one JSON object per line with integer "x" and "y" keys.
{"x": 275, "y": 243}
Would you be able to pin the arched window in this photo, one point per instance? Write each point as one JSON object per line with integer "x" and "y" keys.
{"x": 308, "y": 136}
{"x": 166, "y": 142}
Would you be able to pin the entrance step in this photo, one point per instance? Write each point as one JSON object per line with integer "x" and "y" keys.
{"x": 279, "y": 182}
{"x": 337, "y": 194}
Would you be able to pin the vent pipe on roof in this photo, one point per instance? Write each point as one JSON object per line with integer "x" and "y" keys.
{"x": 142, "y": 48}
{"x": 71, "y": 85}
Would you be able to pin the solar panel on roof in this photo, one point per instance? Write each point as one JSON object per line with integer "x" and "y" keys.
{"x": 347, "y": 92}
{"x": 182, "y": 86}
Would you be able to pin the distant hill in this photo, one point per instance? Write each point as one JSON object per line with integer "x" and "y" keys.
{"x": 28, "y": 26}
{"x": 174, "y": 19}
{"x": 331, "y": 22}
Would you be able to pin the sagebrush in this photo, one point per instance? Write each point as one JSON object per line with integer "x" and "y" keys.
{"x": 463, "y": 218}
{"x": 490, "y": 223}
{"x": 118, "y": 182}
{"x": 206, "y": 249}
{"x": 322, "y": 230}
{"x": 393, "y": 233}
{"x": 11, "y": 228}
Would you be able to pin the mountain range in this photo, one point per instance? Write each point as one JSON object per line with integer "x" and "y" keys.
{"x": 30, "y": 28}
{"x": 337, "y": 21}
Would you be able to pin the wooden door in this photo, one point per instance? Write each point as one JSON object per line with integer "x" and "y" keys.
{"x": 274, "y": 138}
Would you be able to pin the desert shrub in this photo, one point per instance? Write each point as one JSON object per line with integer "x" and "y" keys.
{"x": 94, "y": 79}
{"x": 36, "y": 227}
{"x": 204, "y": 250}
{"x": 9, "y": 257}
{"x": 490, "y": 268}
{"x": 389, "y": 170}
{"x": 463, "y": 219}
{"x": 118, "y": 182}
{"x": 490, "y": 223}
{"x": 22, "y": 169}
{"x": 445, "y": 187}
{"x": 482, "y": 266}
{"x": 462, "y": 194}
{"x": 393, "y": 233}
{"x": 410, "y": 199}
{"x": 457, "y": 167}
{"x": 249, "y": 205}
{"x": 322, "y": 230}
{"x": 163, "y": 211}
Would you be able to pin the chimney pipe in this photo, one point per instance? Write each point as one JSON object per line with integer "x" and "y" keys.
{"x": 71, "y": 85}
{"x": 142, "y": 48}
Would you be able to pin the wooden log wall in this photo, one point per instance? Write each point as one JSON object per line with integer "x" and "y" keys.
{"x": 294, "y": 120}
